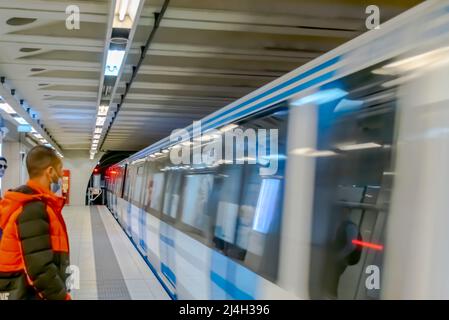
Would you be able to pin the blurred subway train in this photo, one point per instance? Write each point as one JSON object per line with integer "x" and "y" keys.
{"x": 358, "y": 207}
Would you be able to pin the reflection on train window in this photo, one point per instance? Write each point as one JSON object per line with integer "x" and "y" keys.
{"x": 229, "y": 182}
{"x": 172, "y": 194}
{"x": 127, "y": 183}
{"x": 137, "y": 188}
{"x": 230, "y": 207}
{"x": 249, "y": 206}
{"x": 197, "y": 190}
{"x": 351, "y": 195}
{"x": 156, "y": 191}
{"x": 117, "y": 181}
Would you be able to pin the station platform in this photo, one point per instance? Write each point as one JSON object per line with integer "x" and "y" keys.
{"x": 109, "y": 266}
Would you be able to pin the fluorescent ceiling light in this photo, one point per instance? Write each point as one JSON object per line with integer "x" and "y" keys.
{"x": 360, "y": 146}
{"x": 423, "y": 60}
{"x": 275, "y": 157}
{"x": 309, "y": 152}
{"x": 95, "y": 141}
{"x": 123, "y": 9}
{"x": 401, "y": 80}
{"x": 320, "y": 97}
{"x": 114, "y": 62}
{"x": 346, "y": 105}
{"x": 21, "y": 120}
{"x": 7, "y": 108}
{"x": 39, "y": 136}
{"x": 97, "y": 136}
{"x": 100, "y": 121}
{"x": 207, "y": 137}
{"x": 228, "y": 127}
{"x": 125, "y": 13}
{"x": 103, "y": 110}
{"x": 98, "y": 130}
{"x": 23, "y": 128}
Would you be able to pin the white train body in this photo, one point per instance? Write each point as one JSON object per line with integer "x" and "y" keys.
{"x": 359, "y": 205}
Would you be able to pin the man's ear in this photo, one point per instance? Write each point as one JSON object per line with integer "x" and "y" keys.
{"x": 49, "y": 170}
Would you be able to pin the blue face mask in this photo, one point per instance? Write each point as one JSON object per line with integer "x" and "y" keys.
{"x": 55, "y": 187}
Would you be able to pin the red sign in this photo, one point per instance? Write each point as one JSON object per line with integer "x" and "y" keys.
{"x": 66, "y": 185}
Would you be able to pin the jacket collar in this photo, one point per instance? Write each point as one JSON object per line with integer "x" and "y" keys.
{"x": 14, "y": 198}
{"x": 39, "y": 189}
{"x": 56, "y": 202}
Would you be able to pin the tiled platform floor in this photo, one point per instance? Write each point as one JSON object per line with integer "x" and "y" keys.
{"x": 110, "y": 267}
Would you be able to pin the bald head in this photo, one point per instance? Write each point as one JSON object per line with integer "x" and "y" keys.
{"x": 41, "y": 158}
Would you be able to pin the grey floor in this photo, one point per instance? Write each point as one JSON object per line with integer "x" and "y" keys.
{"x": 109, "y": 265}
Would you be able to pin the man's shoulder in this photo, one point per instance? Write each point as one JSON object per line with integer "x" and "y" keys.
{"x": 24, "y": 189}
{"x": 33, "y": 210}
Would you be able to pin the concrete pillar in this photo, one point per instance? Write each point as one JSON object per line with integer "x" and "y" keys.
{"x": 81, "y": 168}
{"x": 16, "y": 173}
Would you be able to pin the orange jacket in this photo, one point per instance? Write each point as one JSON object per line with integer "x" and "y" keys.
{"x": 32, "y": 226}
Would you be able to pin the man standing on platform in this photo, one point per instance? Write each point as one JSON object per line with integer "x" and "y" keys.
{"x": 34, "y": 245}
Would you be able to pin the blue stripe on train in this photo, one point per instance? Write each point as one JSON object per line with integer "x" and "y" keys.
{"x": 273, "y": 100}
{"x": 229, "y": 288}
{"x": 225, "y": 274}
{"x": 167, "y": 240}
{"x": 262, "y": 104}
{"x": 168, "y": 273}
{"x": 279, "y": 86}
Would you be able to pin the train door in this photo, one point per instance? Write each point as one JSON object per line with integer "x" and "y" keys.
{"x": 126, "y": 208}
{"x": 248, "y": 216}
{"x": 135, "y": 194}
{"x": 167, "y": 233}
{"x": 152, "y": 207}
{"x": 352, "y": 186}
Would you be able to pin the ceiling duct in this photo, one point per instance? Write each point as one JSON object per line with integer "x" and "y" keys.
{"x": 119, "y": 38}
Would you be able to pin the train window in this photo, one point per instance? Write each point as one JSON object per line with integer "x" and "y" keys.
{"x": 229, "y": 182}
{"x": 172, "y": 194}
{"x": 352, "y": 185}
{"x": 249, "y": 204}
{"x": 128, "y": 178}
{"x": 233, "y": 208}
{"x": 154, "y": 190}
{"x": 156, "y": 193}
{"x": 138, "y": 182}
{"x": 118, "y": 184}
{"x": 196, "y": 194}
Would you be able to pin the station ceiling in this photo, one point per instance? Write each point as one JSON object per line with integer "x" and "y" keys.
{"x": 204, "y": 55}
